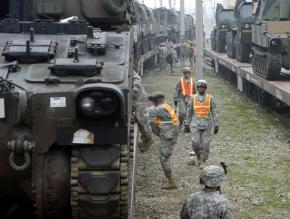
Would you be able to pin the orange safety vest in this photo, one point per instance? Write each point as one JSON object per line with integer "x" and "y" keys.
{"x": 201, "y": 109}
{"x": 174, "y": 118}
{"x": 184, "y": 89}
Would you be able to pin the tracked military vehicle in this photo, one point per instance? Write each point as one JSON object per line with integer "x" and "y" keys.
{"x": 271, "y": 38}
{"x": 65, "y": 107}
{"x": 224, "y": 21}
{"x": 239, "y": 37}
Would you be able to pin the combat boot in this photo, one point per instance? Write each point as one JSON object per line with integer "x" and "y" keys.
{"x": 170, "y": 184}
{"x": 145, "y": 145}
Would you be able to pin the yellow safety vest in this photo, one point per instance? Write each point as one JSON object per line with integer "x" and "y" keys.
{"x": 201, "y": 109}
{"x": 174, "y": 118}
{"x": 184, "y": 90}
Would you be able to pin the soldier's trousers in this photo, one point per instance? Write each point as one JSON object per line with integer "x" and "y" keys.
{"x": 173, "y": 66}
{"x": 165, "y": 152}
{"x": 201, "y": 139}
{"x": 182, "y": 109}
{"x": 162, "y": 63}
{"x": 141, "y": 114}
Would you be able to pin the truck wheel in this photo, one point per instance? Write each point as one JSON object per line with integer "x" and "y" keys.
{"x": 220, "y": 44}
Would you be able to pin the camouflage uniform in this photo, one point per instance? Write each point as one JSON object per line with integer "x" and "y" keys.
{"x": 206, "y": 204}
{"x": 201, "y": 127}
{"x": 141, "y": 107}
{"x": 171, "y": 58}
{"x": 182, "y": 102}
{"x": 162, "y": 54}
{"x": 168, "y": 134}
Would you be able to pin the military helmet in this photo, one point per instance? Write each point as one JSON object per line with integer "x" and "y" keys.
{"x": 212, "y": 176}
{"x": 186, "y": 70}
{"x": 201, "y": 83}
{"x": 156, "y": 96}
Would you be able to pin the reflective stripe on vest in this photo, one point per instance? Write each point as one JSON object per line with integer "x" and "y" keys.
{"x": 174, "y": 118}
{"x": 201, "y": 109}
{"x": 184, "y": 90}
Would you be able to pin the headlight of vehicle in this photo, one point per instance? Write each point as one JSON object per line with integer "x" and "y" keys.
{"x": 87, "y": 104}
{"x": 97, "y": 103}
{"x": 275, "y": 43}
{"x": 223, "y": 26}
{"x": 247, "y": 26}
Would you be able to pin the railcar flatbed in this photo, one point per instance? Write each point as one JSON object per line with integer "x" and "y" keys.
{"x": 278, "y": 89}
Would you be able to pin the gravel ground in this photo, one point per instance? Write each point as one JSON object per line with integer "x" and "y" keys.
{"x": 253, "y": 143}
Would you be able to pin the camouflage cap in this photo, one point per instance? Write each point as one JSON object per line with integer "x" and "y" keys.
{"x": 201, "y": 82}
{"x": 212, "y": 176}
{"x": 186, "y": 70}
{"x": 156, "y": 96}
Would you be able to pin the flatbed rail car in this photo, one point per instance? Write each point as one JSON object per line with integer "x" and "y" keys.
{"x": 268, "y": 91}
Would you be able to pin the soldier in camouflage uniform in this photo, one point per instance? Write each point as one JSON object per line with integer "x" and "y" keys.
{"x": 162, "y": 54}
{"x": 184, "y": 90}
{"x": 171, "y": 57}
{"x": 201, "y": 116}
{"x": 141, "y": 112}
{"x": 208, "y": 203}
{"x": 164, "y": 124}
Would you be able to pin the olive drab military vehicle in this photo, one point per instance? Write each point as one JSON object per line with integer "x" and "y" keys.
{"x": 65, "y": 107}
{"x": 271, "y": 38}
{"x": 224, "y": 20}
{"x": 239, "y": 37}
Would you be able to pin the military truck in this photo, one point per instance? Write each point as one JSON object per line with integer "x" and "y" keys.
{"x": 66, "y": 108}
{"x": 224, "y": 20}
{"x": 239, "y": 37}
{"x": 271, "y": 38}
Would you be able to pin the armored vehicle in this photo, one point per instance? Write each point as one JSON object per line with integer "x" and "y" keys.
{"x": 224, "y": 20}
{"x": 271, "y": 38}
{"x": 239, "y": 38}
{"x": 65, "y": 107}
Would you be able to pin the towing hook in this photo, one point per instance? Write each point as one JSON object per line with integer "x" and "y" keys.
{"x": 16, "y": 167}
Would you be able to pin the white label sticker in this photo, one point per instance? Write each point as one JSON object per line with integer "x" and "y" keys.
{"x": 57, "y": 102}
{"x": 2, "y": 108}
{"x": 83, "y": 136}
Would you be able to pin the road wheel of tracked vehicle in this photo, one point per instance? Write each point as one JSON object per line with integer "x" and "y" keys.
{"x": 267, "y": 65}
{"x": 230, "y": 45}
{"x": 242, "y": 50}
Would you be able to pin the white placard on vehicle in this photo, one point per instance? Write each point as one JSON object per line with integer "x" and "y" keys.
{"x": 57, "y": 102}
{"x": 2, "y": 108}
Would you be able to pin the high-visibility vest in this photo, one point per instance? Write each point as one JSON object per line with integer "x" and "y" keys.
{"x": 201, "y": 109}
{"x": 185, "y": 90}
{"x": 174, "y": 118}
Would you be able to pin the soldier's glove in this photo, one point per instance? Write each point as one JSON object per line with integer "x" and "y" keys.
{"x": 216, "y": 130}
{"x": 186, "y": 129}
{"x": 175, "y": 102}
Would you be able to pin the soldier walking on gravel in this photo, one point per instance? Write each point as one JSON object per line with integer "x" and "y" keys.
{"x": 140, "y": 100}
{"x": 201, "y": 116}
{"x": 162, "y": 54}
{"x": 171, "y": 57}
{"x": 164, "y": 123}
{"x": 208, "y": 203}
{"x": 184, "y": 90}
